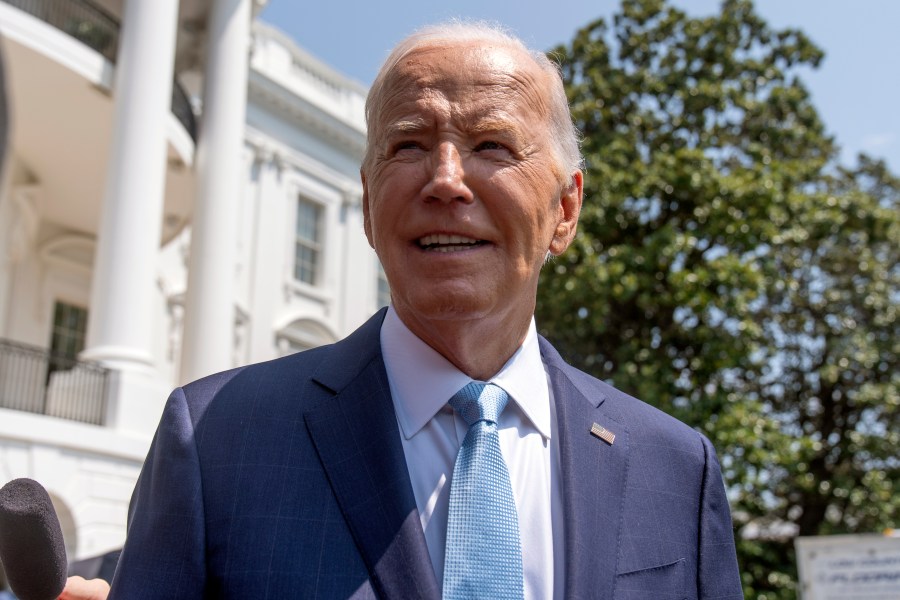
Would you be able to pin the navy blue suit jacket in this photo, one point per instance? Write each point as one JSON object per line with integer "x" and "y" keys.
{"x": 287, "y": 479}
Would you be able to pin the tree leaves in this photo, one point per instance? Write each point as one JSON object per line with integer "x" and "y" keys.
{"x": 731, "y": 272}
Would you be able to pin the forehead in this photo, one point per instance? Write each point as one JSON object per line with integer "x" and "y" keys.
{"x": 466, "y": 79}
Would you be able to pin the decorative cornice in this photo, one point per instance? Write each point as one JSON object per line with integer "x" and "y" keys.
{"x": 267, "y": 149}
{"x": 263, "y": 30}
{"x": 274, "y": 96}
{"x": 292, "y": 83}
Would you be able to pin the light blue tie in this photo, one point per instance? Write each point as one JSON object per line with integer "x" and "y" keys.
{"x": 483, "y": 558}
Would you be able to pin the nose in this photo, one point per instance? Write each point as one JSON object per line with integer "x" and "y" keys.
{"x": 447, "y": 181}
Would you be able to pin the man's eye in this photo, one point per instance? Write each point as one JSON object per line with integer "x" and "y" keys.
{"x": 406, "y": 145}
{"x": 489, "y": 145}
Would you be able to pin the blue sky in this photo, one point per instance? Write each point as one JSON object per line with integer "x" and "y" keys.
{"x": 857, "y": 87}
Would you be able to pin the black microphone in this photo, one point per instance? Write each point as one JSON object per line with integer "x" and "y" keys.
{"x": 31, "y": 543}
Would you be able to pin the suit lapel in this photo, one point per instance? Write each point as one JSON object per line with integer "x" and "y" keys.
{"x": 358, "y": 441}
{"x": 593, "y": 478}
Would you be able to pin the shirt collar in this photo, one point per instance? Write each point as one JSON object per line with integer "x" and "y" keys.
{"x": 422, "y": 381}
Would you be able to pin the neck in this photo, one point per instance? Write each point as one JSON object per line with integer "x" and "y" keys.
{"x": 479, "y": 347}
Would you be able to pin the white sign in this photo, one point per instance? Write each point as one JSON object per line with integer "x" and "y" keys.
{"x": 849, "y": 567}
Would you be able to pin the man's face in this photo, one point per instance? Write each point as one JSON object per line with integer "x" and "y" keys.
{"x": 463, "y": 198}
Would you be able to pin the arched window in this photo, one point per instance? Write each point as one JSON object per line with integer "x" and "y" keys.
{"x": 303, "y": 334}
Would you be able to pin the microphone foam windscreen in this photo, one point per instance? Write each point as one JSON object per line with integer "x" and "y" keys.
{"x": 31, "y": 543}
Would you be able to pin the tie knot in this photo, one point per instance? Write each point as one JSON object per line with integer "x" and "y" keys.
{"x": 479, "y": 401}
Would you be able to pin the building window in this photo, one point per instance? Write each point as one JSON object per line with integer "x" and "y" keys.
{"x": 292, "y": 347}
{"x": 302, "y": 334}
{"x": 384, "y": 290}
{"x": 67, "y": 336}
{"x": 308, "y": 242}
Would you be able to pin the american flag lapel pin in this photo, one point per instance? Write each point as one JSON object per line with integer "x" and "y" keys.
{"x": 603, "y": 433}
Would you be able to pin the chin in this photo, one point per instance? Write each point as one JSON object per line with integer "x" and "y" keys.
{"x": 443, "y": 305}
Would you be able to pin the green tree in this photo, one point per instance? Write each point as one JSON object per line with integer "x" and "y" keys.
{"x": 729, "y": 271}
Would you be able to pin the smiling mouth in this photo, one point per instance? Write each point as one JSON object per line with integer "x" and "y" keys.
{"x": 448, "y": 243}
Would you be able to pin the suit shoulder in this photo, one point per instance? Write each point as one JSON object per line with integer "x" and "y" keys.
{"x": 342, "y": 357}
{"x": 300, "y": 364}
{"x": 652, "y": 432}
{"x": 287, "y": 384}
{"x": 238, "y": 390}
{"x": 644, "y": 422}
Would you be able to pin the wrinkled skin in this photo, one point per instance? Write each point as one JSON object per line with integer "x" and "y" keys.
{"x": 464, "y": 198}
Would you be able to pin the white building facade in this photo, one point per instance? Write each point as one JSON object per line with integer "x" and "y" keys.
{"x": 182, "y": 196}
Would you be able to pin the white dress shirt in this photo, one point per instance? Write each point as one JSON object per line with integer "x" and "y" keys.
{"x": 422, "y": 382}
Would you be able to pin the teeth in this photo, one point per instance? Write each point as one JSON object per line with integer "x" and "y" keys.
{"x": 444, "y": 239}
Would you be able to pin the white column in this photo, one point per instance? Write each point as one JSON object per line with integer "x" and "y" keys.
{"x": 267, "y": 263}
{"x": 209, "y": 310}
{"x": 121, "y": 321}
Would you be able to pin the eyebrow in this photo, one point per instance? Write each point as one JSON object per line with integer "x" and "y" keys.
{"x": 480, "y": 126}
{"x": 405, "y": 127}
{"x": 501, "y": 127}
{"x": 489, "y": 125}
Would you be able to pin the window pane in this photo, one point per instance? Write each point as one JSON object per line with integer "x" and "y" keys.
{"x": 308, "y": 241}
{"x": 67, "y": 335}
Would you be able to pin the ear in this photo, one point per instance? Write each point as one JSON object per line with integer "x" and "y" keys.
{"x": 569, "y": 209}
{"x": 367, "y": 217}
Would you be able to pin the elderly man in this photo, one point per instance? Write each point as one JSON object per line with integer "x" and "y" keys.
{"x": 444, "y": 448}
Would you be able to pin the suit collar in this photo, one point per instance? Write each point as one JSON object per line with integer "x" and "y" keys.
{"x": 593, "y": 476}
{"x": 356, "y": 436}
{"x": 422, "y": 380}
{"x": 350, "y": 356}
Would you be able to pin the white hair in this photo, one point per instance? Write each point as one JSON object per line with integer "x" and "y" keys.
{"x": 565, "y": 137}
